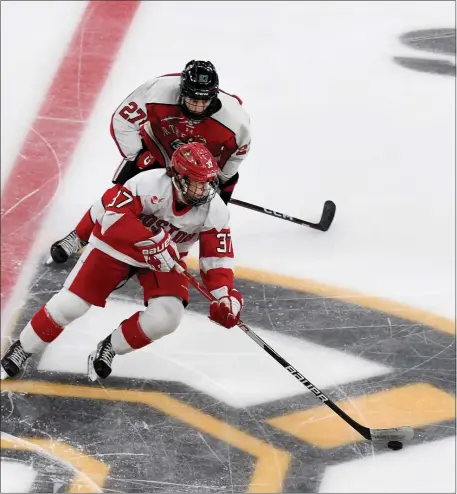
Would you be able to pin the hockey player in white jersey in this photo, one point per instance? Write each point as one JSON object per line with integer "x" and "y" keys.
{"x": 167, "y": 112}
{"x": 148, "y": 223}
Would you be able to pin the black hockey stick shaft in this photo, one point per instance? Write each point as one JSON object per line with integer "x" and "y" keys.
{"x": 328, "y": 214}
{"x": 362, "y": 430}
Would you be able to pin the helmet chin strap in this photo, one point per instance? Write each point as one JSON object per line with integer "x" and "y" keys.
{"x": 212, "y": 108}
{"x": 190, "y": 114}
{"x": 179, "y": 194}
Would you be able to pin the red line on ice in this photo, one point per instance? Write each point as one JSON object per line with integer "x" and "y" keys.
{"x": 51, "y": 142}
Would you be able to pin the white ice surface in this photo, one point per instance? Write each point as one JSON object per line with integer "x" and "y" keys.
{"x": 16, "y": 476}
{"x": 426, "y": 468}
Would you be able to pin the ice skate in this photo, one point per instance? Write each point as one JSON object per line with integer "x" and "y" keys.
{"x": 99, "y": 361}
{"x": 65, "y": 247}
{"x": 14, "y": 360}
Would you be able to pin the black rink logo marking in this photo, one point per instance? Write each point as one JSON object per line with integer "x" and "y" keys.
{"x": 169, "y": 453}
{"x": 438, "y": 41}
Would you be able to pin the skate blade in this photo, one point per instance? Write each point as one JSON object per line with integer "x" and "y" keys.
{"x": 48, "y": 261}
{"x": 91, "y": 374}
{"x": 3, "y": 374}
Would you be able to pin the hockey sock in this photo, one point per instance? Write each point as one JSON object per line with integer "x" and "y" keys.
{"x": 129, "y": 336}
{"x": 40, "y": 331}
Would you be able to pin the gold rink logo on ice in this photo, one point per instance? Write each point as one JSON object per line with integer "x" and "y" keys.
{"x": 45, "y": 465}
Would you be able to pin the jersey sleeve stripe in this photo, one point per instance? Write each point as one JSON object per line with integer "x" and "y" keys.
{"x": 207, "y": 263}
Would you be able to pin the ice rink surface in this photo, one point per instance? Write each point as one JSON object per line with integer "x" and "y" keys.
{"x": 349, "y": 101}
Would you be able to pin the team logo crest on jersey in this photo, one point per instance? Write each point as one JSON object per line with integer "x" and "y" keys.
{"x": 177, "y": 143}
{"x": 156, "y": 200}
{"x": 170, "y": 119}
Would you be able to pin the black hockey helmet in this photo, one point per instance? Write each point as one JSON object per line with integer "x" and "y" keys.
{"x": 199, "y": 80}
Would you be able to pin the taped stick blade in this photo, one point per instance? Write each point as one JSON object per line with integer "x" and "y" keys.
{"x": 91, "y": 374}
{"x": 402, "y": 434}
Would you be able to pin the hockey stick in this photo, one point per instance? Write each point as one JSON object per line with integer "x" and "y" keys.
{"x": 328, "y": 213}
{"x": 393, "y": 437}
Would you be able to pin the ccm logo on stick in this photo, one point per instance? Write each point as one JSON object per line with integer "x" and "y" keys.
{"x": 279, "y": 215}
{"x": 305, "y": 381}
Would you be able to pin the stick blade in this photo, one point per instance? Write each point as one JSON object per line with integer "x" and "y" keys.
{"x": 401, "y": 434}
{"x": 327, "y": 215}
{"x": 91, "y": 374}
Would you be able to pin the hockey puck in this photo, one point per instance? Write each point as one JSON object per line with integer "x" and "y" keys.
{"x": 395, "y": 445}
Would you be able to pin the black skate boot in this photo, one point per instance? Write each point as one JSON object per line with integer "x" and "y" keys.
{"x": 99, "y": 362}
{"x": 65, "y": 247}
{"x": 14, "y": 360}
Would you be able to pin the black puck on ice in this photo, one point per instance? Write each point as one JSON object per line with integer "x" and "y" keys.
{"x": 395, "y": 445}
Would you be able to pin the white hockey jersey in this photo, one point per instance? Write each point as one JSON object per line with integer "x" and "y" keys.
{"x": 226, "y": 133}
{"x": 147, "y": 203}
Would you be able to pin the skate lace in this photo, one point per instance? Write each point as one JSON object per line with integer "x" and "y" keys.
{"x": 107, "y": 354}
{"x": 70, "y": 243}
{"x": 19, "y": 356}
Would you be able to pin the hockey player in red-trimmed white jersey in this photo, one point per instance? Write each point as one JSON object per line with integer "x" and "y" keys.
{"x": 149, "y": 223}
{"x": 163, "y": 114}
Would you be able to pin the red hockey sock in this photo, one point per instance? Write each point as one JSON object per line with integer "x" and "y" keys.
{"x": 133, "y": 333}
{"x": 44, "y": 326}
{"x": 85, "y": 226}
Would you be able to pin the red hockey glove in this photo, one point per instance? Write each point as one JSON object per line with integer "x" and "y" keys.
{"x": 145, "y": 160}
{"x": 159, "y": 251}
{"x": 227, "y": 308}
{"x": 146, "y": 157}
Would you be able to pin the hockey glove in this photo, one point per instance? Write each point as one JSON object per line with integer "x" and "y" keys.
{"x": 145, "y": 160}
{"x": 146, "y": 157}
{"x": 226, "y": 188}
{"x": 227, "y": 308}
{"x": 159, "y": 251}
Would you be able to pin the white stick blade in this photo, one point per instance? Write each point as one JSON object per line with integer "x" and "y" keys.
{"x": 3, "y": 374}
{"x": 402, "y": 434}
{"x": 91, "y": 374}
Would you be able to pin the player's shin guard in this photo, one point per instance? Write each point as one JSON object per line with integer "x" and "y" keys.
{"x": 41, "y": 330}
{"x": 127, "y": 337}
{"x": 161, "y": 318}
